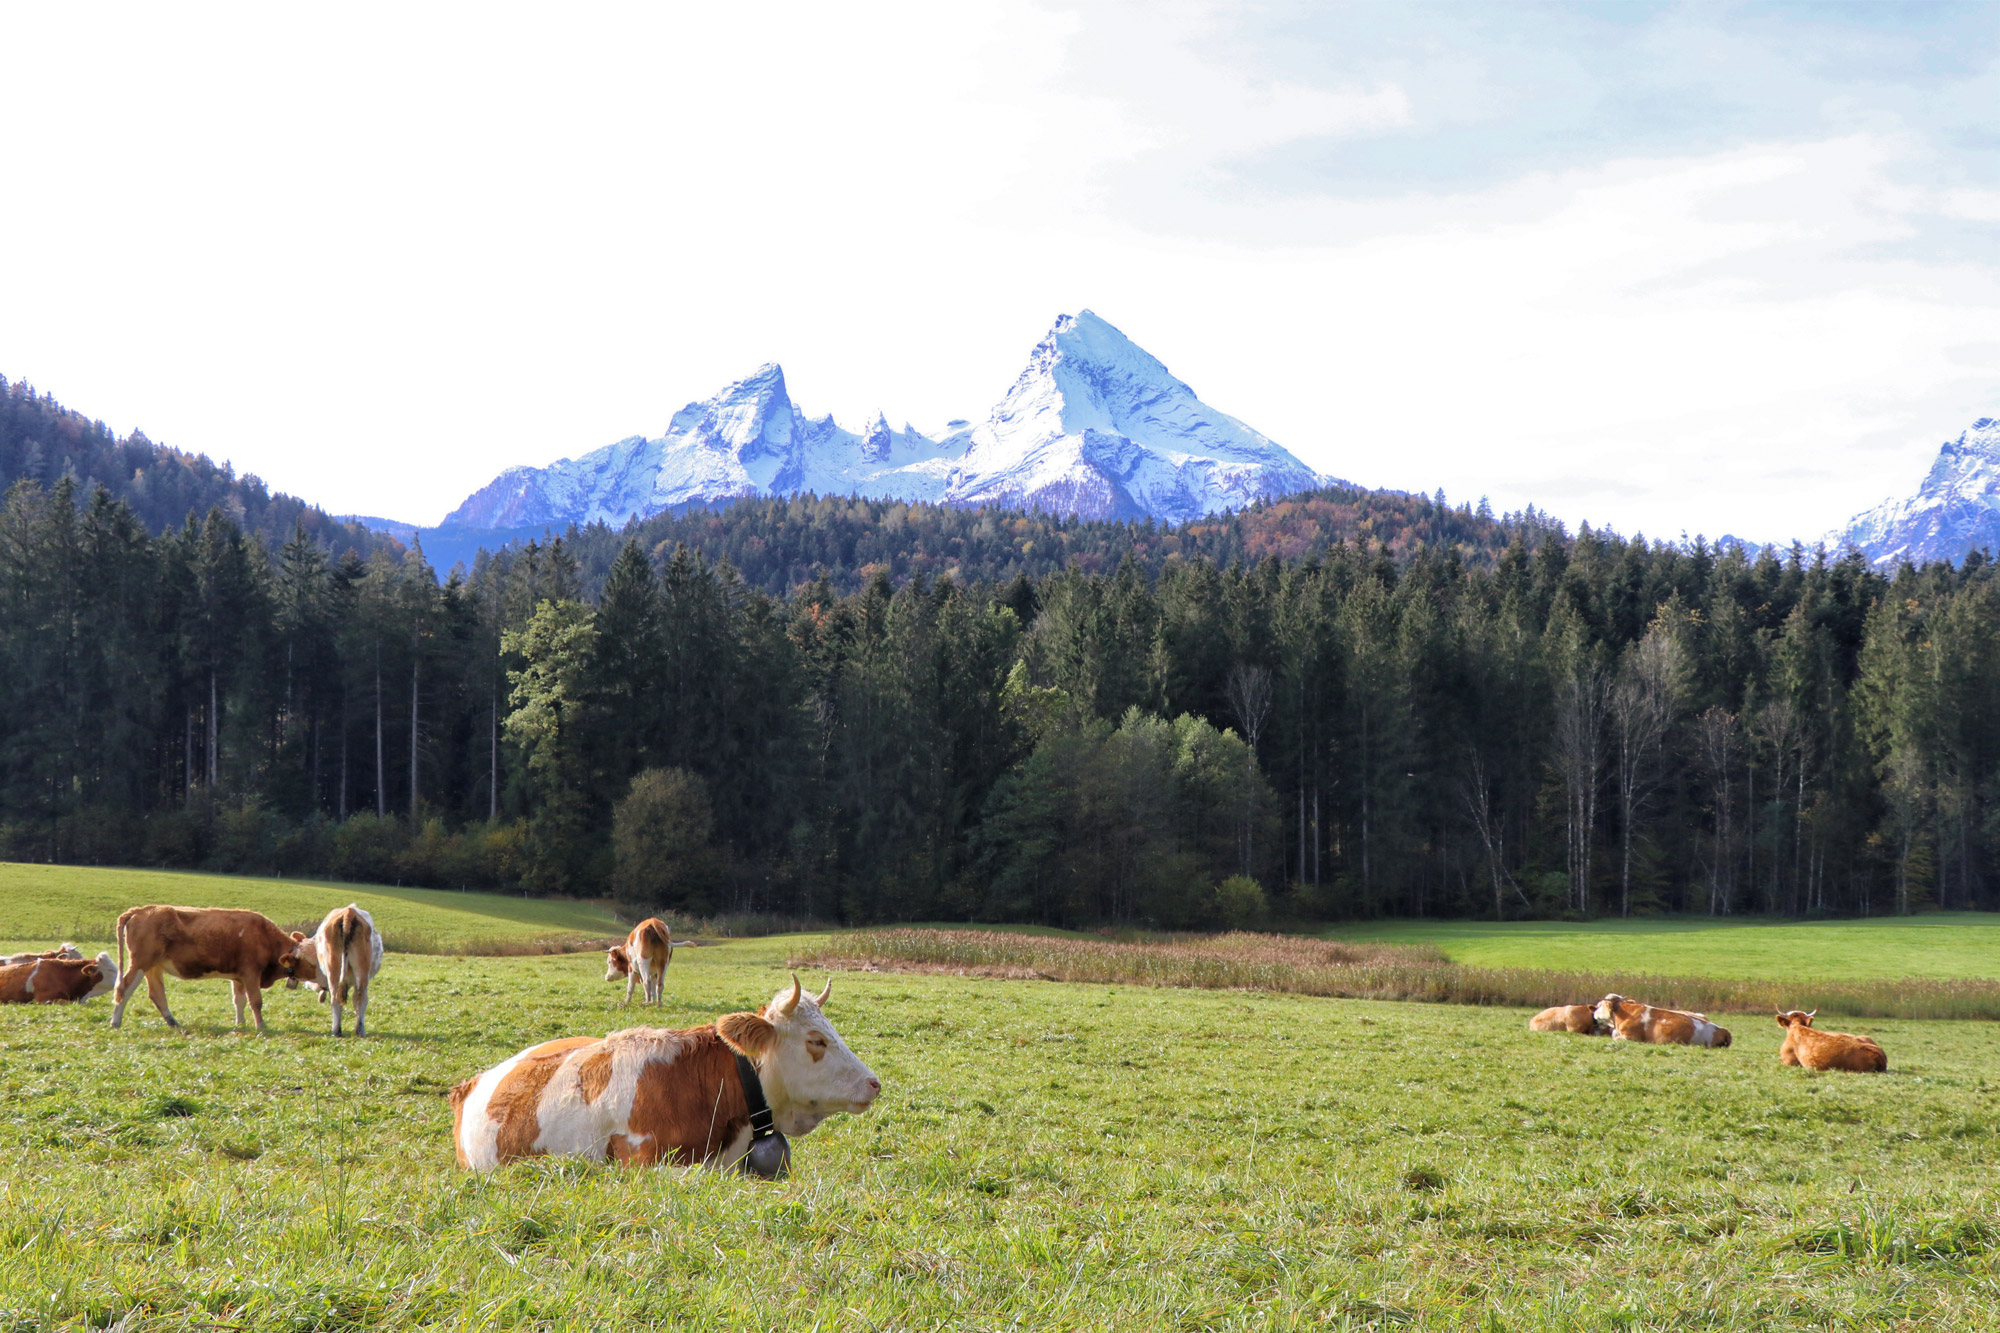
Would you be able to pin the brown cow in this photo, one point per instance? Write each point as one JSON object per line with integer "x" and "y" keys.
{"x": 1807, "y": 1046}
{"x": 69, "y": 951}
{"x": 197, "y": 942}
{"x": 343, "y": 955}
{"x": 47, "y": 980}
{"x": 1630, "y": 1020}
{"x": 660, "y": 1096}
{"x": 1580, "y": 1018}
{"x": 643, "y": 957}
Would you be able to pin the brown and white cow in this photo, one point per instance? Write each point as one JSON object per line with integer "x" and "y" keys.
{"x": 642, "y": 959}
{"x": 197, "y": 942}
{"x": 649, "y": 1096}
{"x": 50, "y": 980}
{"x": 1807, "y": 1046}
{"x": 1581, "y": 1018}
{"x": 67, "y": 950}
{"x": 343, "y": 955}
{"x": 1629, "y": 1020}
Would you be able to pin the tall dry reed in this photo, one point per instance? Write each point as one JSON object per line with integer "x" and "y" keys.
{"x": 1241, "y": 961}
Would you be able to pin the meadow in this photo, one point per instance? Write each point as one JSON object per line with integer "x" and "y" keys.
{"x": 1046, "y": 1155}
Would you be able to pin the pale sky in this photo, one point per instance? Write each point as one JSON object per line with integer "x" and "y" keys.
{"x": 1670, "y": 267}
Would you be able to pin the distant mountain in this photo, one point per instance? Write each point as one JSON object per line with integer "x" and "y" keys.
{"x": 1094, "y": 426}
{"x": 1954, "y": 512}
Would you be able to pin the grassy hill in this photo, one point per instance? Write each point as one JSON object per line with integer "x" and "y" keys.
{"x": 1938, "y": 945}
{"x": 41, "y": 903}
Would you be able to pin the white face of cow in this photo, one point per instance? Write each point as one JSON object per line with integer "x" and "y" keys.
{"x": 109, "y": 981}
{"x": 807, "y": 1070}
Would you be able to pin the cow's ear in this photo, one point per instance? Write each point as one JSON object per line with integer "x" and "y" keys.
{"x": 91, "y": 974}
{"x": 298, "y": 935}
{"x": 747, "y": 1034}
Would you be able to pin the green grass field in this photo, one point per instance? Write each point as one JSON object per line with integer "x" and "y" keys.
{"x": 1940, "y": 944}
{"x": 82, "y": 903}
{"x": 1045, "y": 1156}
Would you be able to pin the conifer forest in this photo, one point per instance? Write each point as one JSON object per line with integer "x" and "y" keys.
{"x": 1447, "y": 714}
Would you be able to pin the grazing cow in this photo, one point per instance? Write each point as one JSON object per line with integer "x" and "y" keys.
{"x": 1569, "y": 1018}
{"x": 1807, "y": 1046}
{"x": 50, "y": 980}
{"x": 655, "y": 1095}
{"x": 642, "y": 958}
{"x": 197, "y": 942}
{"x": 69, "y": 951}
{"x": 344, "y": 954}
{"x": 1630, "y": 1020}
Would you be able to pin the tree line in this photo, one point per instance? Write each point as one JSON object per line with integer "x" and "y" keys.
{"x": 1582, "y": 725}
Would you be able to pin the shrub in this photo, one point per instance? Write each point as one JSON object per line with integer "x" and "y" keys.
{"x": 1240, "y": 903}
{"x": 660, "y": 841}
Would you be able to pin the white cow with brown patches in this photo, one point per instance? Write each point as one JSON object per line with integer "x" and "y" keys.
{"x": 648, "y": 1096}
{"x": 642, "y": 959}
{"x": 342, "y": 956}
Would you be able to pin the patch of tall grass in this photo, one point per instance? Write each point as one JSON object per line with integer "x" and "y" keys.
{"x": 1371, "y": 971}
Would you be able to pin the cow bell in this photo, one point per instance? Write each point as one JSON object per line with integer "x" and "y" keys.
{"x": 769, "y": 1157}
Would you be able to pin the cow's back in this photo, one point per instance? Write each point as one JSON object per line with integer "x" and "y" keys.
{"x": 197, "y": 942}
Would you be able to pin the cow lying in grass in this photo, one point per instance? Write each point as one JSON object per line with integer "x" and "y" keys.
{"x": 343, "y": 955}
{"x": 642, "y": 958}
{"x": 649, "y": 1096}
{"x": 1810, "y": 1048}
{"x": 67, "y": 950}
{"x": 1579, "y": 1018}
{"x": 45, "y": 979}
{"x": 1629, "y": 1020}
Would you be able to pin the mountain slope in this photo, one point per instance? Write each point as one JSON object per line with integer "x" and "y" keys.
{"x": 1955, "y": 511}
{"x": 43, "y": 441}
{"x": 1093, "y": 426}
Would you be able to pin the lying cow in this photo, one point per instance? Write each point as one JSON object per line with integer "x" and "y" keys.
{"x": 343, "y": 955}
{"x": 1569, "y": 1018}
{"x": 642, "y": 958}
{"x": 46, "y": 979}
{"x": 68, "y": 951}
{"x": 1807, "y": 1046}
{"x": 197, "y": 942}
{"x": 647, "y": 1096}
{"x": 1629, "y": 1020}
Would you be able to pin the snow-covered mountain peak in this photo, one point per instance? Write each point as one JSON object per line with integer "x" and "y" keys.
{"x": 1093, "y": 425}
{"x": 1955, "y": 510}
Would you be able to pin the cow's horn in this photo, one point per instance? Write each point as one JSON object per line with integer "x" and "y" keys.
{"x": 1812, "y": 1013}
{"x": 820, "y": 999}
{"x": 791, "y": 1002}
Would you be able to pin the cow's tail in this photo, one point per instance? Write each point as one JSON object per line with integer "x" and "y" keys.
{"x": 122, "y": 917}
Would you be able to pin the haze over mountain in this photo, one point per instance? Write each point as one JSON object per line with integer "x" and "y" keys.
{"x": 1093, "y": 426}
{"x": 1955, "y": 511}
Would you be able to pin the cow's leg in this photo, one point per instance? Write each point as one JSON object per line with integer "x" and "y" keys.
{"x": 236, "y": 997}
{"x": 361, "y": 1008}
{"x": 631, "y": 979}
{"x": 338, "y": 1000}
{"x": 156, "y": 991}
{"x": 126, "y": 985}
{"x": 255, "y": 993}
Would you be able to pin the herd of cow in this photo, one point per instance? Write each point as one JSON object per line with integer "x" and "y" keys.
{"x": 726, "y": 1094}
{"x": 1621, "y": 1019}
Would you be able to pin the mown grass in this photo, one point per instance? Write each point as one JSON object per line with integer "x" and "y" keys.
{"x": 1371, "y": 970}
{"x": 1046, "y": 1156}
{"x": 1941, "y": 945}
{"x": 82, "y": 903}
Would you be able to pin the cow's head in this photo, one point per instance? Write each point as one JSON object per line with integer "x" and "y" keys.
{"x": 807, "y": 1070}
{"x": 1605, "y": 1015}
{"x": 300, "y": 963}
{"x": 70, "y": 951}
{"x": 1802, "y": 1017}
{"x": 617, "y": 963}
{"x": 102, "y": 975}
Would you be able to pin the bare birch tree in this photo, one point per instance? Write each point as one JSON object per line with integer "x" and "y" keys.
{"x": 1644, "y": 702}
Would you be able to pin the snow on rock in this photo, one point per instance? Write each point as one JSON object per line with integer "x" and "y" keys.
{"x": 1954, "y": 512}
{"x": 1094, "y": 426}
